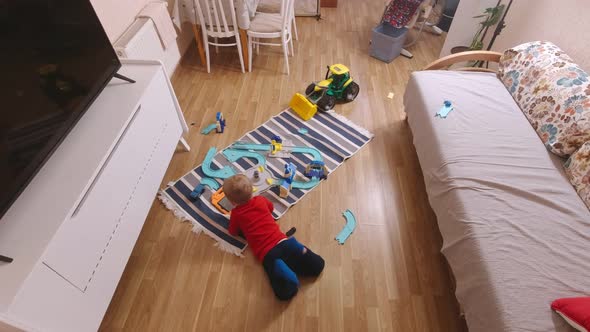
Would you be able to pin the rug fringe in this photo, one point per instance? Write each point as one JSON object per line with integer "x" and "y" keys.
{"x": 197, "y": 228}
{"x": 347, "y": 121}
{"x": 171, "y": 205}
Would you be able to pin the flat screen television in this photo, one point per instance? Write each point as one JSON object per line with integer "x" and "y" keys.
{"x": 55, "y": 58}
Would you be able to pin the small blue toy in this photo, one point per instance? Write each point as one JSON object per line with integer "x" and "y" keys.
{"x": 197, "y": 192}
{"x": 316, "y": 169}
{"x": 288, "y": 177}
{"x": 220, "y": 125}
{"x": 445, "y": 110}
{"x": 302, "y": 131}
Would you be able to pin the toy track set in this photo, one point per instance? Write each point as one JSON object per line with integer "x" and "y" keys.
{"x": 262, "y": 179}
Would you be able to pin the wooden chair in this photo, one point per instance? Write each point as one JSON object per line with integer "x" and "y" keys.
{"x": 271, "y": 6}
{"x": 271, "y": 26}
{"x": 213, "y": 17}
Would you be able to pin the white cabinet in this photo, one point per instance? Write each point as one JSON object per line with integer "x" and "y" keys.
{"x": 91, "y": 200}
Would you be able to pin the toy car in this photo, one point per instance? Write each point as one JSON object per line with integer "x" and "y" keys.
{"x": 316, "y": 169}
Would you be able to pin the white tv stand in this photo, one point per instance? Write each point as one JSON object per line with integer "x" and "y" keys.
{"x": 73, "y": 228}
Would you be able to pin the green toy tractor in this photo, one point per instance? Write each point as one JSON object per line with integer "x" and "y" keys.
{"x": 338, "y": 85}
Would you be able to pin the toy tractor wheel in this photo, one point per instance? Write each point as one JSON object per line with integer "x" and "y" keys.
{"x": 309, "y": 89}
{"x": 326, "y": 103}
{"x": 351, "y": 91}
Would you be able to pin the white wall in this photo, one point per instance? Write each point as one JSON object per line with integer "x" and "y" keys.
{"x": 117, "y": 15}
{"x": 464, "y": 26}
{"x": 565, "y": 23}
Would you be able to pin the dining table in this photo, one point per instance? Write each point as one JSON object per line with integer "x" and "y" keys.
{"x": 184, "y": 11}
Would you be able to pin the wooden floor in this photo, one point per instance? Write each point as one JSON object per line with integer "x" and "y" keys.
{"x": 389, "y": 276}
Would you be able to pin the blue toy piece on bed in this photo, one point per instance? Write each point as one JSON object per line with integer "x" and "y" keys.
{"x": 445, "y": 110}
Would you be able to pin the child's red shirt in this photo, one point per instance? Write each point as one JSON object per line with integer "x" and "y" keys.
{"x": 254, "y": 219}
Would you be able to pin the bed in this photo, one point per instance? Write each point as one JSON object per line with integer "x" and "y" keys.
{"x": 515, "y": 233}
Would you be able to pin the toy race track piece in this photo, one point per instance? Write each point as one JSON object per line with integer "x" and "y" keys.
{"x": 261, "y": 182}
{"x": 234, "y": 155}
{"x": 348, "y": 228}
{"x": 214, "y": 185}
{"x": 302, "y": 131}
{"x": 305, "y": 185}
{"x": 222, "y": 173}
{"x": 220, "y": 202}
{"x": 207, "y": 130}
{"x": 445, "y": 110}
{"x": 200, "y": 188}
{"x": 280, "y": 154}
{"x": 267, "y": 147}
{"x": 307, "y": 150}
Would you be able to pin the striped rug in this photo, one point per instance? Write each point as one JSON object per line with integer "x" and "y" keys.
{"x": 336, "y": 137}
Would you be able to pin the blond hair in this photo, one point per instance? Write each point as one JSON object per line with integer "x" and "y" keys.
{"x": 238, "y": 189}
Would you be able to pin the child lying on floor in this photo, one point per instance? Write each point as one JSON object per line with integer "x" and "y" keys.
{"x": 282, "y": 258}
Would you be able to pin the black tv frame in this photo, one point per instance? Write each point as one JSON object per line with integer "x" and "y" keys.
{"x": 27, "y": 175}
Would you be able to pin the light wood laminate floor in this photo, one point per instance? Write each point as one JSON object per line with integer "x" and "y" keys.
{"x": 389, "y": 276}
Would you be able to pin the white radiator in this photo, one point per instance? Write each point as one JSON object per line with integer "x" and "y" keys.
{"x": 141, "y": 41}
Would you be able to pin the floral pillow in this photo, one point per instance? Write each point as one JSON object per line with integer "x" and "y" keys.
{"x": 577, "y": 168}
{"x": 552, "y": 92}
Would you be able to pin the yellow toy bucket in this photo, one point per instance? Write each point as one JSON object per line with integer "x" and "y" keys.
{"x": 303, "y": 107}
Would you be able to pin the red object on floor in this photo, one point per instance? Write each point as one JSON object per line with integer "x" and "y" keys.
{"x": 576, "y": 309}
{"x": 399, "y": 12}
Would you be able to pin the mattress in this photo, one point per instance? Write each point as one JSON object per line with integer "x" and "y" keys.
{"x": 515, "y": 233}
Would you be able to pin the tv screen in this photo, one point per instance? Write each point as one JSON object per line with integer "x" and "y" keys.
{"x": 55, "y": 59}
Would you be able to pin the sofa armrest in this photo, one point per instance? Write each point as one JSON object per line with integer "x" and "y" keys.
{"x": 447, "y": 61}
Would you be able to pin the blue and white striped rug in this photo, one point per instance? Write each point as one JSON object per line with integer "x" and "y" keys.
{"x": 336, "y": 137}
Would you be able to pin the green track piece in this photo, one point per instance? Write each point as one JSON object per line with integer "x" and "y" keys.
{"x": 211, "y": 183}
{"x": 348, "y": 228}
{"x": 234, "y": 155}
{"x": 223, "y": 173}
{"x": 209, "y": 128}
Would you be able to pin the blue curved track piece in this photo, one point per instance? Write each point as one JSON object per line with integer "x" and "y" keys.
{"x": 348, "y": 228}
{"x": 236, "y": 154}
{"x": 222, "y": 173}
{"x": 305, "y": 185}
{"x": 209, "y": 128}
{"x": 266, "y": 147}
{"x": 214, "y": 185}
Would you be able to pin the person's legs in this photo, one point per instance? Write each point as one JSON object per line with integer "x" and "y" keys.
{"x": 301, "y": 259}
{"x": 282, "y": 279}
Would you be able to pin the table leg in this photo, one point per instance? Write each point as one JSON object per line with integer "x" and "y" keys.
{"x": 199, "y": 42}
{"x": 244, "y": 42}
